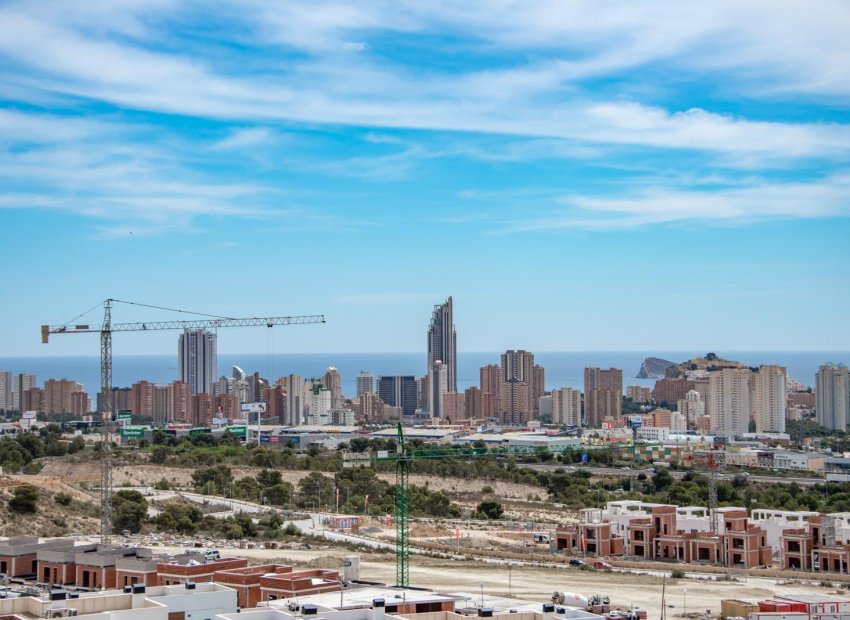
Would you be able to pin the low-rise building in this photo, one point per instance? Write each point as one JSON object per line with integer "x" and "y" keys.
{"x": 255, "y": 584}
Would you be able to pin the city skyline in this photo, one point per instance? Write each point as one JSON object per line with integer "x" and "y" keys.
{"x": 683, "y": 167}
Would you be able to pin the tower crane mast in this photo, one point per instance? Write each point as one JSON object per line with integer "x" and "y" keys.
{"x": 106, "y": 412}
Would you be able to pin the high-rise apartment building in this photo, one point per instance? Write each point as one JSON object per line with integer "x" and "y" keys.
{"x": 832, "y": 396}
{"x": 293, "y": 411}
{"x": 203, "y": 409}
{"x": 180, "y": 401}
{"x": 442, "y": 344}
{"x": 769, "y": 399}
{"x": 729, "y": 401}
{"x": 473, "y": 406}
{"x": 369, "y": 408}
{"x": 692, "y": 407}
{"x": 438, "y": 386}
{"x": 320, "y": 405}
{"x": 454, "y": 406}
{"x": 399, "y": 391}
{"x": 5, "y": 390}
{"x": 57, "y": 396}
{"x": 142, "y": 398}
{"x": 197, "y": 360}
{"x": 21, "y": 382}
{"x": 538, "y": 384}
{"x": 639, "y": 394}
{"x": 671, "y": 390}
{"x": 566, "y": 407}
{"x": 333, "y": 382}
{"x": 491, "y": 390}
{"x": 603, "y": 395}
{"x": 517, "y": 397}
{"x": 365, "y": 382}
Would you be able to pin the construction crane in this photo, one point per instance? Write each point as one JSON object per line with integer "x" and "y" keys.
{"x": 106, "y": 329}
{"x": 713, "y": 459}
{"x": 405, "y": 455}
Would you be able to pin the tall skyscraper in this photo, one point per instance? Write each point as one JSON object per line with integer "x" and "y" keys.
{"x": 399, "y": 391}
{"x": 566, "y": 407}
{"x": 769, "y": 399}
{"x": 517, "y": 398}
{"x": 442, "y": 343}
{"x": 333, "y": 382}
{"x": 603, "y": 395}
{"x": 832, "y": 396}
{"x": 197, "y": 360}
{"x": 365, "y": 383}
{"x": 729, "y": 401}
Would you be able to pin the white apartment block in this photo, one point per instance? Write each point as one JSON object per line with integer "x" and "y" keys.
{"x": 832, "y": 405}
{"x": 769, "y": 399}
{"x": 566, "y": 407}
{"x": 729, "y": 401}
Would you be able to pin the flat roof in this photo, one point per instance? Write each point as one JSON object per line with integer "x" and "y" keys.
{"x": 358, "y": 598}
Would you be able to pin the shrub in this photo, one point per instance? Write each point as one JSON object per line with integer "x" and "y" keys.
{"x": 63, "y": 499}
{"x": 677, "y": 574}
{"x": 25, "y": 500}
{"x": 487, "y": 490}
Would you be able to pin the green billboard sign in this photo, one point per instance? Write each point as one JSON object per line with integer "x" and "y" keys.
{"x": 239, "y": 431}
{"x": 125, "y": 414}
{"x": 132, "y": 433}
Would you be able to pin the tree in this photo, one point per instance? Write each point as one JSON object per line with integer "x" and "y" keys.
{"x": 314, "y": 489}
{"x": 490, "y": 510}
{"x": 25, "y": 500}
{"x": 129, "y": 511}
{"x": 269, "y": 478}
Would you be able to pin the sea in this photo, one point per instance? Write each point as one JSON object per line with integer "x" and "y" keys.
{"x": 563, "y": 368}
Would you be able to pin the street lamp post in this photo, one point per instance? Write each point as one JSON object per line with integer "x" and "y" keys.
{"x": 510, "y": 570}
{"x": 482, "y": 593}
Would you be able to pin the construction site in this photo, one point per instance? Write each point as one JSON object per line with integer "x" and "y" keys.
{"x": 626, "y": 559}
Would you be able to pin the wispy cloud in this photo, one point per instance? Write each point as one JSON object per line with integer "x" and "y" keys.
{"x": 719, "y": 207}
{"x": 118, "y": 62}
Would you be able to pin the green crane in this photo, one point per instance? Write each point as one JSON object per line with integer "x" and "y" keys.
{"x": 402, "y": 511}
{"x": 404, "y": 455}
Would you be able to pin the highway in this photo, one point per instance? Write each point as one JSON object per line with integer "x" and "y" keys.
{"x": 620, "y": 471}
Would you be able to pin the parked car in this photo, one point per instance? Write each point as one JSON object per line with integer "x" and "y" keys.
{"x": 577, "y": 562}
{"x": 600, "y": 565}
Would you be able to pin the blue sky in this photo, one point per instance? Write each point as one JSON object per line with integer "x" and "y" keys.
{"x": 577, "y": 175}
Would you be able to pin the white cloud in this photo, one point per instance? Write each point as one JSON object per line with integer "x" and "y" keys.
{"x": 244, "y": 138}
{"x": 752, "y": 47}
{"x": 829, "y": 197}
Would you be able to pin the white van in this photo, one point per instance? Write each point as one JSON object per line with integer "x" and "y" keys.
{"x": 212, "y": 554}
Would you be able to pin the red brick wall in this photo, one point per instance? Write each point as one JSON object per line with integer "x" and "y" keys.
{"x": 59, "y": 573}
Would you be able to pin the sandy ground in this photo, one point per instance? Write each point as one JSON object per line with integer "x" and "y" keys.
{"x": 538, "y": 584}
{"x": 147, "y": 475}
